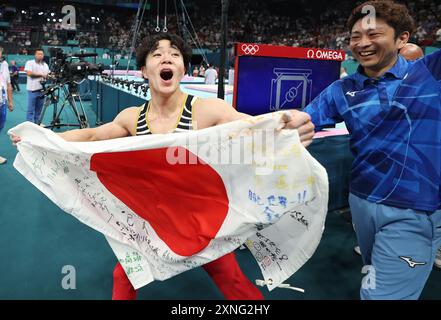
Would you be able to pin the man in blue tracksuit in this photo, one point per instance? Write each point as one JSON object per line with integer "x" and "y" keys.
{"x": 392, "y": 109}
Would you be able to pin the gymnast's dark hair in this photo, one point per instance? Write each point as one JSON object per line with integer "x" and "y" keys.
{"x": 150, "y": 43}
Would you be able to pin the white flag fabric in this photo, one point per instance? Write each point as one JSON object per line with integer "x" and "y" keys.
{"x": 169, "y": 203}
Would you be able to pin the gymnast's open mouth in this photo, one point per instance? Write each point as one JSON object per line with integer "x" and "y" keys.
{"x": 166, "y": 74}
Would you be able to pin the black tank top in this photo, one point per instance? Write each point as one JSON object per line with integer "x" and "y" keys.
{"x": 184, "y": 122}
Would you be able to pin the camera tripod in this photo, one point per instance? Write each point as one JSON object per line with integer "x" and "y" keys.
{"x": 69, "y": 91}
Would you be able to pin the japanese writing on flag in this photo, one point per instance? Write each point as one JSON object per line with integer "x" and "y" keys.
{"x": 169, "y": 203}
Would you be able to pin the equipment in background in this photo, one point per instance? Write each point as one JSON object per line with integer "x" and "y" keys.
{"x": 67, "y": 72}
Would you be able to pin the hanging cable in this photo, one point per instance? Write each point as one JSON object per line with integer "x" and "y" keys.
{"x": 196, "y": 39}
{"x": 177, "y": 18}
{"x": 165, "y": 17}
{"x": 204, "y": 57}
{"x": 140, "y": 21}
{"x": 136, "y": 29}
{"x": 134, "y": 25}
{"x": 157, "y": 29}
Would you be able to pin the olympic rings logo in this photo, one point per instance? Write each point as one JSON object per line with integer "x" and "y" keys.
{"x": 250, "y": 48}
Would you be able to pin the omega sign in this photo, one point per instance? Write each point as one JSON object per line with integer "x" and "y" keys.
{"x": 321, "y": 54}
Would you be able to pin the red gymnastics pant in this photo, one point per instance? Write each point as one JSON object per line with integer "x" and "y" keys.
{"x": 225, "y": 272}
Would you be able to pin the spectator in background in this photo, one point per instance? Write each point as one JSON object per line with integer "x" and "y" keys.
{"x": 411, "y": 52}
{"x": 311, "y": 27}
{"x": 195, "y": 71}
{"x": 210, "y": 75}
{"x": 13, "y": 72}
{"x": 438, "y": 38}
{"x": 36, "y": 70}
{"x": 201, "y": 71}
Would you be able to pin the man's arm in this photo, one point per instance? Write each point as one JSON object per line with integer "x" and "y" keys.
{"x": 30, "y": 73}
{"x": 433, "y": 63}
{"x": 35, "y": 75}
{"x": 9, "y": 89}
{"x": 10, "y": 101}
{"x": 323, "y": 109}
{"x": 120, "y": 127}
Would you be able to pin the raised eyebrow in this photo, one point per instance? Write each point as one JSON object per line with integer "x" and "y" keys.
{"x": 163, "y": 48}
{"x": 358, "y": 33}
{"x": 176, "y": 48}
{"x": 154, "y": 50}
{"x": 376, "y": 30}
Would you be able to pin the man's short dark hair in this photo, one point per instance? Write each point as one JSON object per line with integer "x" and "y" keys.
{"x": 39, "y": 49}
{"x": 150, "y": 43}
{"x": 394, "y": 14}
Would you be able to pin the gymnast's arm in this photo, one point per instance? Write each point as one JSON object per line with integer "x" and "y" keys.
{"x": 118, "y": 128}
{"x": 212, "y": 112}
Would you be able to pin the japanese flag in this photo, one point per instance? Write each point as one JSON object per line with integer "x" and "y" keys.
{"x": 169, "y": 203}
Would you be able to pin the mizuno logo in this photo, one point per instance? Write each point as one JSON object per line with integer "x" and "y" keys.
{"x": 351, "y": 93}
{"x": 411, "y": 263}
